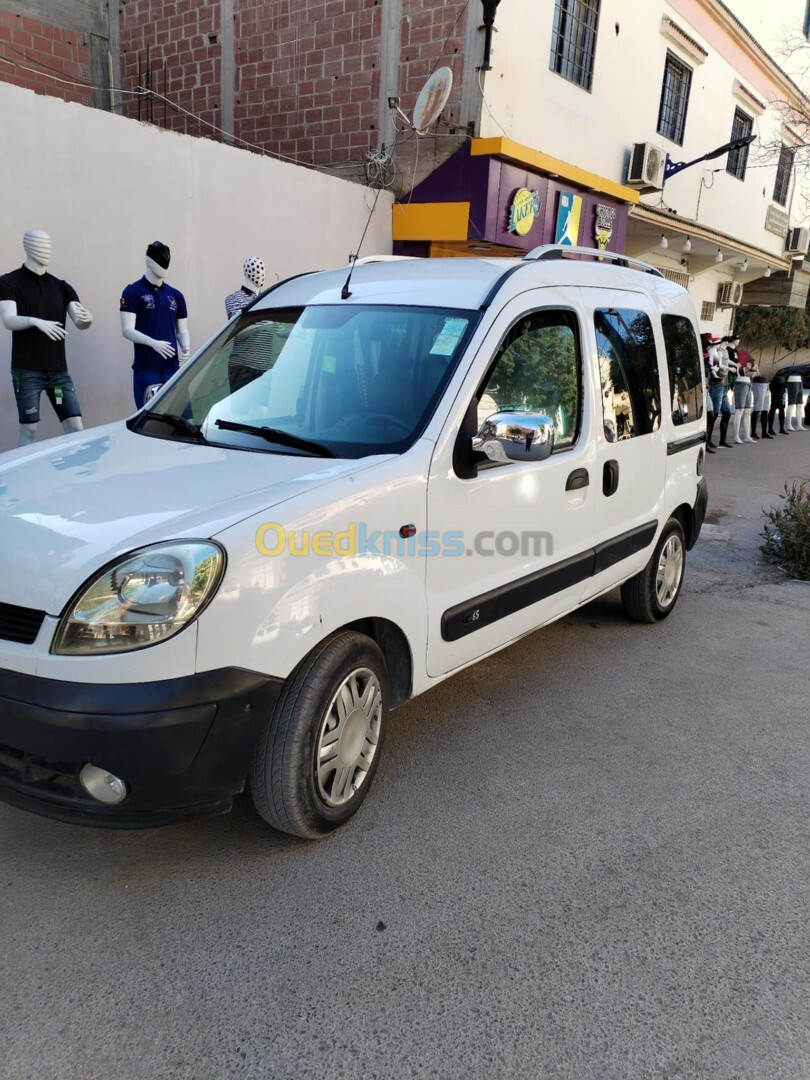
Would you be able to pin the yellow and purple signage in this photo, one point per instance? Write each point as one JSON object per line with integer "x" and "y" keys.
{"x": 523, "y": 210}
{"x": 569, "y": 212}
{"x": 604, "y": 220}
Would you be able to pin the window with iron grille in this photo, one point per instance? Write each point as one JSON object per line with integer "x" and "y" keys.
{"x": 783, "y": 172}
{"x": 707, "y": 311}
{"x": 738, "y": 159}
{"x": 573, "y": 40}
{"x": 674, "y": 99}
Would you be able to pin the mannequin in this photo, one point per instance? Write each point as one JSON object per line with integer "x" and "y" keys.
{"x": 254, "y": 275}
{"x": 33, "y": 306}
{"x": 716, "y": 364}
{"x": 743, "y": 397}
{"x": 154, "y": 318}
{"x": 759, "y": 387}
{"x": 795, "y": 409}
{"x": 777, "y": 388}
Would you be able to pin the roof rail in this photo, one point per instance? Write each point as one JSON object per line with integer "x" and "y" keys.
{"x": 560, "y": 251}
{"x": 382, "y": 258}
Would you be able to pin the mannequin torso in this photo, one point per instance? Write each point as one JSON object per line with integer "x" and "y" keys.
{"x": 155, "y": 319}
{"x": 254, "y": 273}
{"x": 34, "y": 306}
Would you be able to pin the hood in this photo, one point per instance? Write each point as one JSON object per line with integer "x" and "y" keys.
{"x": 71, "y": 504}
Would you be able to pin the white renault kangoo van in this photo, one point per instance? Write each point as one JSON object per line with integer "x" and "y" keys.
{"x": 364, "y": 483}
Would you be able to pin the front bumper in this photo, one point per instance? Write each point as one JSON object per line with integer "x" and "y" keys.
{"x": 183, "y": 746}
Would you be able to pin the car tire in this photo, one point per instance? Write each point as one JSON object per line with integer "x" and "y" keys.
{"x": 652, "y": 594}
{"x": 317, "y": 757}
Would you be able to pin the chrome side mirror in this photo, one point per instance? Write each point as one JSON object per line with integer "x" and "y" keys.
{"x": 514, "y": 435}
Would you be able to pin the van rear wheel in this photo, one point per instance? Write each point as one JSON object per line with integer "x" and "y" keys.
{"x": 317, "y": 757}
{"x": 651, "y": 595}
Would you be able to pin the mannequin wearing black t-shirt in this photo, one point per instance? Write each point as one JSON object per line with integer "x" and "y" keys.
{"x": 33, "y": 306}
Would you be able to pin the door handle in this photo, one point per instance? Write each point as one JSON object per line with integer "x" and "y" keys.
{"x": 610, "y": 477}
{"x": 578, "y": 479}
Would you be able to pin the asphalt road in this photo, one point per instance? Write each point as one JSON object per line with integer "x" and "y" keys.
{"x": 585, "y": 858}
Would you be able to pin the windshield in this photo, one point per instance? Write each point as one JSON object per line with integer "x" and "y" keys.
{"x": 344, "y": 381}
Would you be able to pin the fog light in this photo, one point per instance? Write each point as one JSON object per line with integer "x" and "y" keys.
{"x": 102, "y": 785}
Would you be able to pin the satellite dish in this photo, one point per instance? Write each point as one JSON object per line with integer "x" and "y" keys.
{"x": 432, "y": 99}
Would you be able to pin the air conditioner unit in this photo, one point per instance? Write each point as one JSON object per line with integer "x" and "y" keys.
{"x": 730, "y": 294}
{"x": 646, "y": 171}
{"x": 797, "y": 241}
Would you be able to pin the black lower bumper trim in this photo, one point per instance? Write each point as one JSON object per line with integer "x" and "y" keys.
{"x": 182, "y": 746}
{"x": 86, "y": 814}
{"x": 698, "y": 513}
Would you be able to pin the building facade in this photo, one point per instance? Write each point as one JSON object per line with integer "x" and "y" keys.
{"x": 602, "y": 94}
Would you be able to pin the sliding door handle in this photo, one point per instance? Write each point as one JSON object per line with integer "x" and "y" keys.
{"x": 578, "y": 479}
{"x": 610, "y": 477}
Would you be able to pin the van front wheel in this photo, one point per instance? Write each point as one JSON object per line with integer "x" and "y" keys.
{"x": 315, "y": 762}
{"x": 651, "y": 595}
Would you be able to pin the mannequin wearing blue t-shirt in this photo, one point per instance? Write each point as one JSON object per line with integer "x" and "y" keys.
{"x": 154, "y": 318}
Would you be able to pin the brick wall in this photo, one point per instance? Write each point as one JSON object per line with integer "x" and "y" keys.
{"x": 173, "y": 48}
{"x": 306, "y": 72}
{"x": 45, "y": 58}
{"x": 432, "y": 36}
{"x": 307, "y": 77}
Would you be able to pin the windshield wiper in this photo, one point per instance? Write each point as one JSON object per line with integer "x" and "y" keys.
{"x": 179, "y": 423}
{"x": 274, "y": 435}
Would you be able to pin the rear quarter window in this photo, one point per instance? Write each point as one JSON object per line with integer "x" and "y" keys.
{"x": 684, "y": 365}
{"x": 628, "y": 373}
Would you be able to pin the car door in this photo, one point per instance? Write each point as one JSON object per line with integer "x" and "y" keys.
{"x": 514, "y": 537}
{"x": 630, "y": 475}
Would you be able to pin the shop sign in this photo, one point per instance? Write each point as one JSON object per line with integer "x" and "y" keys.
{"x": 605, "y": 217}
{"x": 569, "y": 211}
{"x": 523, "y": 210}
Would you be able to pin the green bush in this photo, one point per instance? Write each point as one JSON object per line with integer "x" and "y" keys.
{"x": 787, "y": 531}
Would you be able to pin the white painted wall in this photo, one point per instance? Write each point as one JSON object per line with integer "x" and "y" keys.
{"x": 533, "y": 105}
{"x": 779, "y": 28}
{"x": 104, "y": 187}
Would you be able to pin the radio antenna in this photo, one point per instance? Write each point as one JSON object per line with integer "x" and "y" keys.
{"x": 345, "y": 292}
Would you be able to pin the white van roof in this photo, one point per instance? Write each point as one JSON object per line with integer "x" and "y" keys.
{"x": 466, "y": 283}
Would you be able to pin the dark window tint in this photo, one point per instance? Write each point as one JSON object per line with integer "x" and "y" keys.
{"x": 783, "y": 172}
{"x": 738, "y": 159}
{"x": 573, "y": 40}
{"x": 538, "y": 369}
{"x": 684, "y": 364}
{"x": 674, "y": 99}
{"x": 628, "y": 371}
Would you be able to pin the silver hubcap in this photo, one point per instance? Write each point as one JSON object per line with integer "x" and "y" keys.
{"x": 348, "y": 737}
{"x": 670, "y": 570}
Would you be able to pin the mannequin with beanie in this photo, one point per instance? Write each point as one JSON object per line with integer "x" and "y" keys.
{"x": 154, "y": 318}
{"x": 34, "y": 306}
{"x": 254, "y": 273}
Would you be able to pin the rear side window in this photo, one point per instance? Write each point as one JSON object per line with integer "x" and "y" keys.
{"x": 537, "y": 369}
{"x": 684, "y": 364}
{"x": 628, "y": 372}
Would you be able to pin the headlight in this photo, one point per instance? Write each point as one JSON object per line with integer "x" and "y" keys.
{"x": 143, "y": 598}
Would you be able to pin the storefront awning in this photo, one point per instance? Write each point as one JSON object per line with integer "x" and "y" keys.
{"x": 661, "y": 222}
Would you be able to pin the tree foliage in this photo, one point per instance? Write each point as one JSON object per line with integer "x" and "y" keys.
{"x": 763, "y": 327}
